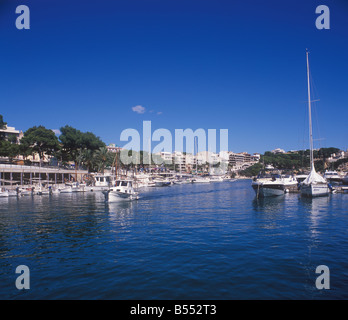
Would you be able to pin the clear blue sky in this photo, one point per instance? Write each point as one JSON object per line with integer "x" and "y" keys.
{"x": 237, "y": 65}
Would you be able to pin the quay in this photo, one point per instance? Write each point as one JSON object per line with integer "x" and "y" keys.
{"x": 15, "y": 175}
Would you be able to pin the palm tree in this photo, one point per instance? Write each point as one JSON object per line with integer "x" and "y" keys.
{"x": 101, "y": 157}
{"x": 86, "y": 158}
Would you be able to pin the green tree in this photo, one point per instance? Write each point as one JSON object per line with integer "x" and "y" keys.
{"x": 91, "y": 142}
{"x": 8, "y": 149}
{"x": 86, "y": 158}
{"x": 75, "y": 142}
{"x": 101, "y": 157}
{"x": 71, "y": 139}
{"x": 252, "y": 171}
{"x": 325, "y": 153}
{"x": 12, "y": 138}
{"x": 39, "y": 140}
{"x": 2, "y": 127}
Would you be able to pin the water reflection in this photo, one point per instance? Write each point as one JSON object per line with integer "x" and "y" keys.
{"x": 268, "y": 204}
{"x": 318, "y": 209}
{"x": 120, "y": 212}
{"x": 269, "y": 211}
{"x": 201, "y": 234}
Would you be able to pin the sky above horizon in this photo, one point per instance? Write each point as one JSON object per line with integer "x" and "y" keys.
{"x": 105, "y": 66}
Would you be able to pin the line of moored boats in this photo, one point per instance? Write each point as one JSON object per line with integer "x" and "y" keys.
{"x": 112, "y": 187}
{"x": 274, "y": 183}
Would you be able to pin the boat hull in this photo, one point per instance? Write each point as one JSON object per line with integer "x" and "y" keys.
{"x": 66, "y": 190}
{"x": 162, "y": 183}
{"x": 202, "y": 181}
{"x": 265, "y": 190}
{"x": 315, "y": 190}
{"x": 115, "y": 196}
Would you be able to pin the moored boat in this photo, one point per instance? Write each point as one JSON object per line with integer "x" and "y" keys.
{"x": 314, "y": 185}
{"x": 162, "y": 182}
{"x": 122, "y": 190}
{"x": 332, "y": 176}
{"x": 200, "y": 179}
{"x": 3, "y": 193}
{"x": 268, "y": 185}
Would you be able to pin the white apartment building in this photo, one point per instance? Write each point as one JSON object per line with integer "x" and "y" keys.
{"x": 11, "y": 131}
{"x": 112, "y": 148}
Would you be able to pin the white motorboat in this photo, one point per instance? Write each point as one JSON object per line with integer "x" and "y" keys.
{"x": 3, "y": 193}
{"x": 199, "y": 179}
{"x": 332, "y": 176}
{"x": 123, "y": 190}
{"x": 216, "y": 179}
{"x": 267, "y": 185}
{"x": 40, "y": 190}
{"x": 314, "y": 185}
{"x": 25, "y": 191}
{"x": 143, "y": 181}
{"x": 102, "y": 182}
{"x": 73, "y": 187}
{"x": 12, "y": 193}
{"x": 162, "y": 182}
{"x": 55, "y": 190}
{"x": 290, "y": 183}
{"x": 66, "y": 190}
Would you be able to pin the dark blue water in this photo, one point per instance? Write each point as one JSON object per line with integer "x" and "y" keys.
{"x": 200, "y": 241}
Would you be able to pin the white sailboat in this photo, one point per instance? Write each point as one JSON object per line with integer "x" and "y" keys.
{"x": 314, "y": 185}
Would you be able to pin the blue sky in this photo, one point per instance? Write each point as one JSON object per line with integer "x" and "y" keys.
{"x": 236, "y": 65}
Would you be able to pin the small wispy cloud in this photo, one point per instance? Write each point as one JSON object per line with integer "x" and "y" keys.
{"x": 159, "y": 112}
{"x": 138, "y": 109}
{"x": 56, "y": 131}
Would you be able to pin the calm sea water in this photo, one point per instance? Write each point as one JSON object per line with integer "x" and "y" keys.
{"x": 196, "y": 241}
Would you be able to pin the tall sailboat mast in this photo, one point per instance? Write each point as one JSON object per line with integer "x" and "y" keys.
{"x": 310, "y": 115}
{"x": 196, "y": 156}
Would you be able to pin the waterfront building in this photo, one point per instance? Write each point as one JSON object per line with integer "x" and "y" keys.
{"x": 278, "y": 150}
{"x": 113, "y": 148}
{"x": 179, "y": 160}
{"x": 166, "y": 156}
{"x": 11, "y": 131}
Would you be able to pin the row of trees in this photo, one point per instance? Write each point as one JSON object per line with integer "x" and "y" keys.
{"x": 296, "y": 161}
{"x": 83, "y": 148}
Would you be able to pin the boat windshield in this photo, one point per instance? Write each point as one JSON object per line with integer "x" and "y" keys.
{"x": 275, "y": 176}
{"x": 264, "y": 175}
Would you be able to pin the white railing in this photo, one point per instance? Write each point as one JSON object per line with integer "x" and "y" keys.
{"x": 37, "y": 168}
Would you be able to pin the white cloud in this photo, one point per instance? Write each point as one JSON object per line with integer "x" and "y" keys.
{"x": 160, "y": 112}
{"x": 56, "y": 131}
{"x": 138, "y": 109}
